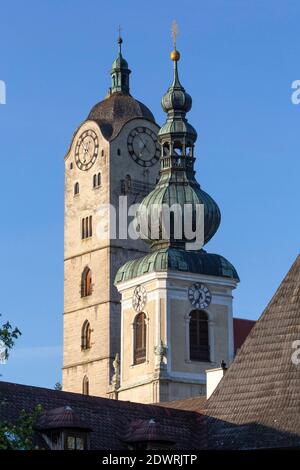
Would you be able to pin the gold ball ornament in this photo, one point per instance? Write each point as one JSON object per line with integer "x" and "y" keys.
{"x": 175, "y": 55}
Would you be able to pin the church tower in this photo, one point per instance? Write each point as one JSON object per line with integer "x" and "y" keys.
{"x": 176, "y": 301}
{"x": 113, "y": 153}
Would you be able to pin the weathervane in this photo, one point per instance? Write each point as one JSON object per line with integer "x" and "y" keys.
{"x": 120, "y": 40}
{"x": 175, "y": 56}
{"x": 174, "y": 30}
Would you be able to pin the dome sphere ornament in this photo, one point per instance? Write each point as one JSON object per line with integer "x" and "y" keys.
{"x": 139, "y": 298}
{"x": 175, "y": 55}
{"x": 199, "y": 295}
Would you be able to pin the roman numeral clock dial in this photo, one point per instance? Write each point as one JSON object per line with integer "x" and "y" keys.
{"x": 199, "y": 295}
{"x": 86, "y": 150}
{"x": 143, "y": 146}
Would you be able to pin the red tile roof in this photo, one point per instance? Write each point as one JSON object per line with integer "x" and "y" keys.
{"x": 109, "y": 419}
{"x": 241, "y": 329}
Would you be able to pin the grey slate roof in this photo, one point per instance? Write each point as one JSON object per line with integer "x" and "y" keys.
{"x": 257, "y": 403}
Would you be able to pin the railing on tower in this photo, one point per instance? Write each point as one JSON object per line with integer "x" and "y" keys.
{"x": 136, "y": 187}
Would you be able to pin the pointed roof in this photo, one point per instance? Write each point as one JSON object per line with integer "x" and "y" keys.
{"x": 257, "y": 403}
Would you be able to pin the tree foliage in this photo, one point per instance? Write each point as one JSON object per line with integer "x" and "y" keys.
{"x": 8, "y": 335}
{"x": 20, "y": 435}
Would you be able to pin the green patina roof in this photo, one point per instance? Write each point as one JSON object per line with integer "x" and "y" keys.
{"x": 165, "y": 259}
{"x": 178, "y": 189}
{"x": 177, "y": 185}
{"x": 119, "y": 63}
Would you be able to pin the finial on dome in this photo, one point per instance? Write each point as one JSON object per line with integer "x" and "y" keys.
{"x": 175, "y": 56}
{"x": 120, "y": 40}
{"x": 120, "y": 71}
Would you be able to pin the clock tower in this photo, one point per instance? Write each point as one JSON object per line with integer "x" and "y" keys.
{"x": 114, "y": 153}
{"x": 176, "y": 301}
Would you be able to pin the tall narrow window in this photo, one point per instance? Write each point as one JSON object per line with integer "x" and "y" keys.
{"x": 86, "y": 227}
{"x": 85, "y": 386}
{"x": 97, "y": 180}
{"x": 199, "y": 344}
{"x": 76, "y": 189}
{"x": 140, "y": 335}
{"x": 86, "y": 282}
{"x": 86, "y": 335}
{"x": 90, "y": 228}
{"x": 128, "y": 183}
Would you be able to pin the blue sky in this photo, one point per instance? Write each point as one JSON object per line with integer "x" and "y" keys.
{"x": 239, "y": 59}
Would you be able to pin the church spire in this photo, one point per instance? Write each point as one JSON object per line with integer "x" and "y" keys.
{"x": 120, "y": 72}
{"x": 177, "y": 183}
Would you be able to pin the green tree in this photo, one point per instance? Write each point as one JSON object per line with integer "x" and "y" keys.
{"x": 8, "y": 335}
{"x": 20, "y": 435}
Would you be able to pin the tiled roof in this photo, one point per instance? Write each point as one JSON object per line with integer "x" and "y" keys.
{"x": 117, "y": 109}
{"x": 145, "y": 430}
{"x": 109, "y": 419}
{"x": 188, "y": 404}
{"x": 241, "y": 329}
{"x": 257, "y": 403}
{"x": 62, "y": 417}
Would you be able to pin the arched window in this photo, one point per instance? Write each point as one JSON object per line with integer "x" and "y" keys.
{"x": 86, "y": 335}
{"x": 140, "y": 337}
{"x": 86, "y": 282}
{"x": 97, "y": 180}
{"x": 166, "y": 149}
{"x": 86, "y": 227}
{"x": 119, "y": 152}
{"x": 85, "y": 386}
{"x": 76, "y": 189}
{"x": 199, "y": 344}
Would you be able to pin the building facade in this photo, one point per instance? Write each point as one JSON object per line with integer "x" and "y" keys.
{"x": 175, "y": 320}
{"x": 176, "y": 301}
{"x": 114, "y": 153}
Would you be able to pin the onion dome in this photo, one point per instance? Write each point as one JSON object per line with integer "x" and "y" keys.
{"x": 177, "y": 184}
{"x": 120, "y": 72}
{"x": 119, "y": 106}
{"x": 176, "y": 103}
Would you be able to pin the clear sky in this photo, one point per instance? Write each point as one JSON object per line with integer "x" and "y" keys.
{"x": 239, "y": 58}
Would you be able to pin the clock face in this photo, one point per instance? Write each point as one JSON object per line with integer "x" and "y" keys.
{"x": 139, "y": 298}
{"x": 86, "y": 150}
{"x": 199, "y": 295}
{"x": 143, "y": 146}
